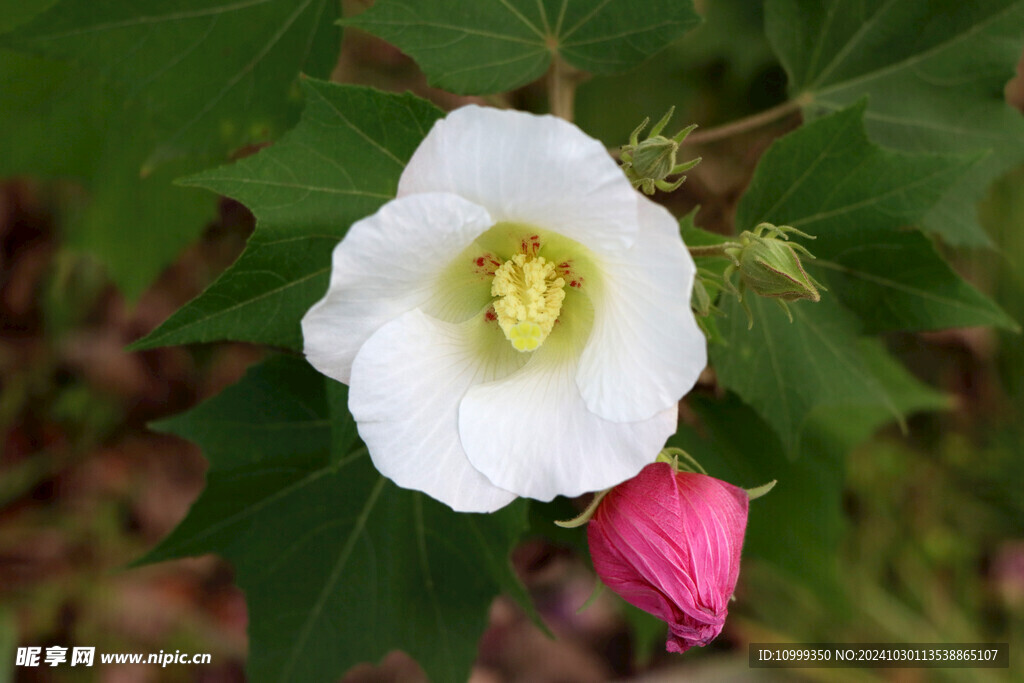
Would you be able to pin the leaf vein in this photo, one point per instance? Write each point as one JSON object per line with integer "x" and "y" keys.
{"x": 332, "y": 579}
{"x": 141, "y": 21}
{"x": 921, "y": 56}
{"x": 359, "y": 131}
{"x": 586, "y": 17}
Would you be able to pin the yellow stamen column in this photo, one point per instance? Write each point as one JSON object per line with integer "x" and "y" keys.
{"x": 529, "y": 298}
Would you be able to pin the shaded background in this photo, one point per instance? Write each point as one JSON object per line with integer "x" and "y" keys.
{"x": 932, "y": 545}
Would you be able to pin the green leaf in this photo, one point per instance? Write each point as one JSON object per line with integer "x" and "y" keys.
{"x": 899, "y": 282}
{"x": 66, "y": 122}
{"x": 213, "y": 75}
{"x": 343, "y": 425}
{"x": 788, "y": 371}
{"x": 135, "y": 224}
{"x": 905, "y": 391}
{"x": 13, "y": 14}
{"x": 338, "y": 165}
{"x": 489, "y": 46}
{"x": 827, "y": 179}
{"x": 698, "y": 237}
{"x": 278, "y": 411}
{"x": 145, "y": 89}
{"x": 56, "y": 115}
{"x": 713, "y": 76}
{"x": 934, "y": 71}
{"x": 339, "y": 566}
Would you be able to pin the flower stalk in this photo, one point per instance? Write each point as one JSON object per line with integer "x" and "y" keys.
{"x": 752, "y": 122}
{"x": 562, "y": 81}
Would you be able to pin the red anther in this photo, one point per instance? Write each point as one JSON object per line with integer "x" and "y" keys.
{"x": 486, "y": 264}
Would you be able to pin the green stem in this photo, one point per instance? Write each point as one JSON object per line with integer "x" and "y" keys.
{"x": 714, "y": 249}
{"x": 671, "y": 456}
{"x": 562, "y": 82}
{"x": 748, "y": 123}
{"x": 584, "y": 517}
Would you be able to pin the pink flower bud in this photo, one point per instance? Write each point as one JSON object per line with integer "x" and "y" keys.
{"x": 669, "y": 543}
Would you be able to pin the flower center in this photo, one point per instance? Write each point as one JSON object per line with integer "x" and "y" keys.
{"x": 529, "y": 298}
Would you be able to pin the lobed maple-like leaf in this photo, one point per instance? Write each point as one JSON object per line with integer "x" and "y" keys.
{"x": 934, "y": 73}
{"x": 338, "y": 565}
{"x": 489, "y": 46}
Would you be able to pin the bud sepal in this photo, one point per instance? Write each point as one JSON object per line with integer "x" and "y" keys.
{"x": 648, "y": 164}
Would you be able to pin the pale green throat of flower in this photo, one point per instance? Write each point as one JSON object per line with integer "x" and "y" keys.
{"x": 530, "y": 295}
{"x": 524, "y": 286}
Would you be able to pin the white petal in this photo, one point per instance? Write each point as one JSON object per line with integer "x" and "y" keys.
{"x": 645, "y": 349}
{"x": 407, "y": 382}
{"x": 532, "y": 434}
{"x": 524, "y": 168}
{"x": 387, "y": 264}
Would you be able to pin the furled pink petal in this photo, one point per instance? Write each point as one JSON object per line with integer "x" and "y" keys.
{"x": 669, "y": 543}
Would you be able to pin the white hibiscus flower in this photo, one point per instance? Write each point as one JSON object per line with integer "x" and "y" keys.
{"x": 516, "y": 322}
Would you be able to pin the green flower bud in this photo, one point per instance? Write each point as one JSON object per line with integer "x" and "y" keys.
{"x": 655, "y": 158}
{"x": 700, "y": 300}
{"x": 648, "y": 164}
{"x": 770, "y": 265}
{"x": 772, "y": 268}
